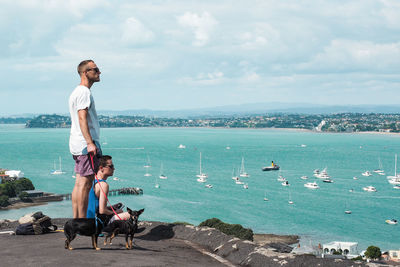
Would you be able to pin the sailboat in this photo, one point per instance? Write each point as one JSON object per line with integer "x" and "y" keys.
{"x": 243, "y": 172}
{"x": 162, "y": 176}
{"x": 234, "y": 175}
{"x": 396, "y": 176}
{"x": 202, "y": 177}
{"x": 290, "y": 199}
{"x": 379, "y": 170}
{"x": 148, "y": 163}
{"x": 265, "y": 196}
{"x": 57, "y": 171}
{"x": 156, "y": 185}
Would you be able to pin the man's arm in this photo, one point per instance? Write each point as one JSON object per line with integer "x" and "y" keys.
{"x": 102, "y": 199}
{"x": 83, "y": 123}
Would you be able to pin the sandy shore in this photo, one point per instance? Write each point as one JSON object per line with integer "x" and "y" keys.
{"x": 20, "y": 205}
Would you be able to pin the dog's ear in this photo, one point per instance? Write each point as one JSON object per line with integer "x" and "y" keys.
{"x": 140, "y": 211}
{"x": 129, "y": 210}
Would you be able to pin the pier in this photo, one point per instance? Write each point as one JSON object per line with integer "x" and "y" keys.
{"x": 115, "y": 192}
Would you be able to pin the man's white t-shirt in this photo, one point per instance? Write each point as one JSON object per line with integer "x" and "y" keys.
{"x": 81, "y": 98}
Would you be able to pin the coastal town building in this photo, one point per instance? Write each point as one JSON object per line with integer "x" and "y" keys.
{"x": 348, "y": 249}
{"x": 394, "y": 255}
{"x": 16, "y": 174}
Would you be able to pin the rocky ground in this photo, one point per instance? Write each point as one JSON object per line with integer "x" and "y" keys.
{"x": 198, "y": 246}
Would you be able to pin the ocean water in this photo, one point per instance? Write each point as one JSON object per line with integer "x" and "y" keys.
{"x": 316, "y": 215}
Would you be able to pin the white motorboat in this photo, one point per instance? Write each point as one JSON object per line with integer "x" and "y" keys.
{"x": 351, "y": 190}
{"x": 281, "y": 178}
{"x": 157, "y": 186}
{"x": 323, "y": 174}
{"x": 147, "y": 174}
{"x": 369, "y": 188}
{"x": 208, "y": 186}
{"x": 181, "y": 146}
{"x": 304, "y": 177}
{"x": 115, "y": 178}
{"x": 355, "y": 178}
{"x": 201, "y": 175}
{"x": 313, "y": 185}
{"x": 316, "y": 171}
{"x": 396, "y": 187}
{"x": 327, "y": 181}
{"x": 201, "y": 180}
{"x": 57, "y": 171}
{"x": 395, "y": 181}
{"x": 286, "y": 183}
{"x": 265, "y": 196}
{"x": 239, "y": 182}
{"x": 391, "y": 221}
{"x": 347, "y": 211}
{"x": 366, "y": 173}
{"x": 245, "y": 186}
{"x": 243, "y": 172}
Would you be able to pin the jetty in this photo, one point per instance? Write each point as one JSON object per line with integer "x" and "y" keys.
{"x": 114, "y": 192}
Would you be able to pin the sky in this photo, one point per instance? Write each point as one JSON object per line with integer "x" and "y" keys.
{"x": 182, "y": 54}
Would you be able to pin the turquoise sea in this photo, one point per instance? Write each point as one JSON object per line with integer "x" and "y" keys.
{"x": 316, "y": 215}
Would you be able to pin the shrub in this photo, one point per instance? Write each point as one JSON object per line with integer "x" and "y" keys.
{"x": 182, "y": 223}
{"x": 22, "y": 185}
{"x": 230, "y": 229}
{"x": 24, "y": 196}
{"x": 373, "y": 252}
{"x": 4, "y": 201}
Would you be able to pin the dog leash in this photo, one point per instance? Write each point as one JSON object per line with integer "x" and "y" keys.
{"x": 101, "y": 189}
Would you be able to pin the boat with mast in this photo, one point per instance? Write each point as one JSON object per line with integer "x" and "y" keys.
{"x": 202, "y": 177}
{"x": 243, "y": 172}
{"x": 57, "y": 171}
{"x": 162, "y": 176}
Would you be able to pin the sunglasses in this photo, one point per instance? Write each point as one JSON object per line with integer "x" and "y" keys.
{"x": 97, "y": 70}
{"x": 110, "y": 166}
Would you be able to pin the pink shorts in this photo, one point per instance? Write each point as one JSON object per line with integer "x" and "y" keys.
{"x": 84, "y": 165}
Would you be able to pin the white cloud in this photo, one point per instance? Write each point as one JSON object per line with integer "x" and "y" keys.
{"x": 260, "y": 37}
{"x": 350, "y": 55}
{"x": 135, "y": 33}
{"x": 202, "y": 26}
{"x": 211, "y": 78}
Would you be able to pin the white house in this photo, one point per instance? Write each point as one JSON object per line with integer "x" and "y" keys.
{"x": 15, "y": 174}
{"x": 348, "y": 249}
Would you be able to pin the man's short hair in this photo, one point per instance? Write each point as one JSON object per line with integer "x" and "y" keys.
{"x": 82, "y": 65}
{"x": 104, "y": 159}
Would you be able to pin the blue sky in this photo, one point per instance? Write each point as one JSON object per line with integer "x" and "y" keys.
{"x": 168, "y": 55}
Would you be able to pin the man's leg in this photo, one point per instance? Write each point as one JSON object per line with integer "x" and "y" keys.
{"x": 80, "y": 195}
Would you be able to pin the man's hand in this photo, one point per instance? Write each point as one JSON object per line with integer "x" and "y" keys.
{"x": 91, "y": 148}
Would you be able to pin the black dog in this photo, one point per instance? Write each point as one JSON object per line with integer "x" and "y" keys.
{"x": 128, "y": 227}
{"x": 85, "y": 226}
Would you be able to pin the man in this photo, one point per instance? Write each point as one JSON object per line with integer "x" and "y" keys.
{"x": 84, "y": 140}
{"x": 99, "y": 192}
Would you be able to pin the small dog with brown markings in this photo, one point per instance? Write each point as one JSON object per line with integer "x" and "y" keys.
{"x": 87, "y": 227}
{"x": 128, "y": 227}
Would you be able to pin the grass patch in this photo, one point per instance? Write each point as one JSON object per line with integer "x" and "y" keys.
{"x": 230, "y": 229}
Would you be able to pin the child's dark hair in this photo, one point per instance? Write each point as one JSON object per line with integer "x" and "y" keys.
{"x": 103, "y": 160}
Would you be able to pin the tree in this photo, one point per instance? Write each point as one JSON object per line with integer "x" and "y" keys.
{"x": 7, "y": 189}
{"x": 373, "y": 252}
{"x": 22, "y": 185}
